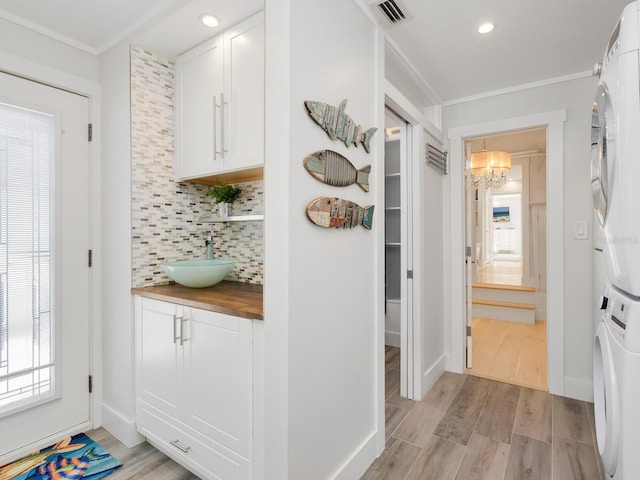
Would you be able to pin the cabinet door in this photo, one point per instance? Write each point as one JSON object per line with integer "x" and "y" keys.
{"x": 198, "y": 126}
{"x": 244, "y": 93}
{"x": 159, "y": 355}
{"x": 218, "y": 375}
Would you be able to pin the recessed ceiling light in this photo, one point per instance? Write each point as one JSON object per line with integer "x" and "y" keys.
{"x": 485, "y": 27}
{"x": 209, "y": 20}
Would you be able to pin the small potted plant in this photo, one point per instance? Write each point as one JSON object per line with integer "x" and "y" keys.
{"x": 224, "y": 195}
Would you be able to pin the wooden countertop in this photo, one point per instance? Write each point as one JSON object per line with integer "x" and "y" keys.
{"x": 232, "y": 298}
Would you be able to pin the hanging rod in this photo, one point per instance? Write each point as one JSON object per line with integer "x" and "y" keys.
{"x": 436, "y": 158}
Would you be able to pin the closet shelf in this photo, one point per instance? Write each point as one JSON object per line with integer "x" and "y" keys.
{"x": 393, "y": 209}
{"x": 393, "y": 175}
{"x": 393, "y": 244}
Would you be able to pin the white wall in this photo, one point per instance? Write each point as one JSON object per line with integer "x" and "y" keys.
{"x": 432, "y": 265}
{"x": 117, "y": 312}
{"x": 44, "y": 51}
{"x": 323, "y": 313}
{"x": 576, "y": 96}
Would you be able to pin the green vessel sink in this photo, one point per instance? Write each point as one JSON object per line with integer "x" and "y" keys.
{"x": 198, "y": 273}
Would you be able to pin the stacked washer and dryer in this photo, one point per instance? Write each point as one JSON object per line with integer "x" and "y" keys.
{"x": 615, "y": 179}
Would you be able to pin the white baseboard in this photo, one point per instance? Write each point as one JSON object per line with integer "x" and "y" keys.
{"x": 359, "y": 461}
{"x": 392, "y": 339}
{"x": 20, "y": 452}
{"x": 432, "y": 374}
{"x": 578, "y": 389}
{"x": 122, "y": 428}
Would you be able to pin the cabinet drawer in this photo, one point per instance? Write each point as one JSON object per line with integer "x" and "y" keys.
{"x": 194, "y": 455}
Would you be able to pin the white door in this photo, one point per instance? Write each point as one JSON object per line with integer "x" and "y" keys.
{"x": 539, "y": 214}
{"x": 44, "y": 274}
{"x": 469, "y": 253}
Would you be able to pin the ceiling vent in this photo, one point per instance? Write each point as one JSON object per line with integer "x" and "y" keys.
{"x": 392, "y": 11}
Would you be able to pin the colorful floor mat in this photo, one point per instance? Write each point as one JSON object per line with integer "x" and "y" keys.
{"x": 77, "y": 457}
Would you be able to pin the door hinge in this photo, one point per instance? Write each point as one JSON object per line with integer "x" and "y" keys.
{"x": 467, "y": 251}
{"x": 90, "y": 383}
{"x": 90, "y": 258}
{"x": 409, "y": 273}
{"x": 90, "y": 132}
{"x": 468, "y": 331}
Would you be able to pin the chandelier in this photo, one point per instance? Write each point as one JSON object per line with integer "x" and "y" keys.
{"x": 489, "y": 166}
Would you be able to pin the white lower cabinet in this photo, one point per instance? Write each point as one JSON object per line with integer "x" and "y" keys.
{"x": 194, "y": 387}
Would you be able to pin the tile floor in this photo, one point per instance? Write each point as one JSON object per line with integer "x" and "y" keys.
{"x": 471, "y": 428}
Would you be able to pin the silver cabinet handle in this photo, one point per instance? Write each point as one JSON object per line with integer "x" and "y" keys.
{"x": 215, "y": 131}
{"x": 222, "y": 115}
{"x": 175, "y": 329}
{"x": 179, "y": 446}
{"x": 182, "y": 339}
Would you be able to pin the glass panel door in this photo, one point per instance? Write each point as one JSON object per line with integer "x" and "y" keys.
{"x": 26, "y": 321}
{"x": 45, "y": 281}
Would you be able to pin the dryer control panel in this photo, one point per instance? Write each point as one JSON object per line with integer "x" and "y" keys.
{"x": 622, "y": 316}
{"x": 618, "y": 314}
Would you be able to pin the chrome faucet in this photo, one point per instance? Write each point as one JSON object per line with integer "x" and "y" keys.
{"x": 209, "y": 244}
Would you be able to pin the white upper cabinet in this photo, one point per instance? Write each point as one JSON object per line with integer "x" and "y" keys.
{"x": 199, "y": 84}
{"x": 244, "y": 92}
{"x": 219, "y": 124}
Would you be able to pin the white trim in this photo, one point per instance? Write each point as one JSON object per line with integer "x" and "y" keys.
{"x": 392, "y": 339}
{"x": 379, "y": 185}
{"x": 124, "y": 429}
{"x": 554, "y": 121}
{"x": 410, "y": 68}
{"x": 161, "y": 11}
{"x": 47, "y": 32}
{"x": 417, "y": 121}
{"x": 579, "y": 389}
{"x": 518, "y": 88}
{"x": 359, "y": 460}
{"x": 432, "y": 374}
{"x": 367, "y": 11}
{"x": 259, "y": 435}
{"x": 49, "y": 76}
{"x": 44, "y": 443}
{"x": 398, "y": 102}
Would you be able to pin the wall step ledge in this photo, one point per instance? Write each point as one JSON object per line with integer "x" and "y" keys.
{"x": 500, "y": 303}
{"x": 494, "y": 286}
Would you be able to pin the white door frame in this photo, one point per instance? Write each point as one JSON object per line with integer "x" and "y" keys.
{"x": 554, "y": 122}
{"x": 412, "y": 329}
{"x": 60, "y": 79}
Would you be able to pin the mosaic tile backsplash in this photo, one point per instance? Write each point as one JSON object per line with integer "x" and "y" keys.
{"x": 166, "y": 215}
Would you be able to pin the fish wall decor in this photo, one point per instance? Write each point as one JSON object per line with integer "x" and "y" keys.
{"x": 339, "y": 125}
{"x": 332, "y": 212}
{"x": 336, "y": 170}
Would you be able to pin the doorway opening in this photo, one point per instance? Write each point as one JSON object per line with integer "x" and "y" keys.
{"x": 397, "y": 256}
{"x": 507, "y": 236}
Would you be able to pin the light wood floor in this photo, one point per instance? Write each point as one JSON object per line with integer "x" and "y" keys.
{"x": 465, "y": 428}
{"x": 503, "y": 272}
{"x": 142, "y": 462}
{"x": 511, "y": 352}
{"x": 471, "y": 428}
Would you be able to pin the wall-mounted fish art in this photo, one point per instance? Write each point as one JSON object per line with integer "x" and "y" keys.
{"x": 334, "y": 169}
{"x": 332, "y": 212}
{"x": 338, "y": 124}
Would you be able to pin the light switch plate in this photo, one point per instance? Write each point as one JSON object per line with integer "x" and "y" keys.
{"x": 581, "y": 230}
